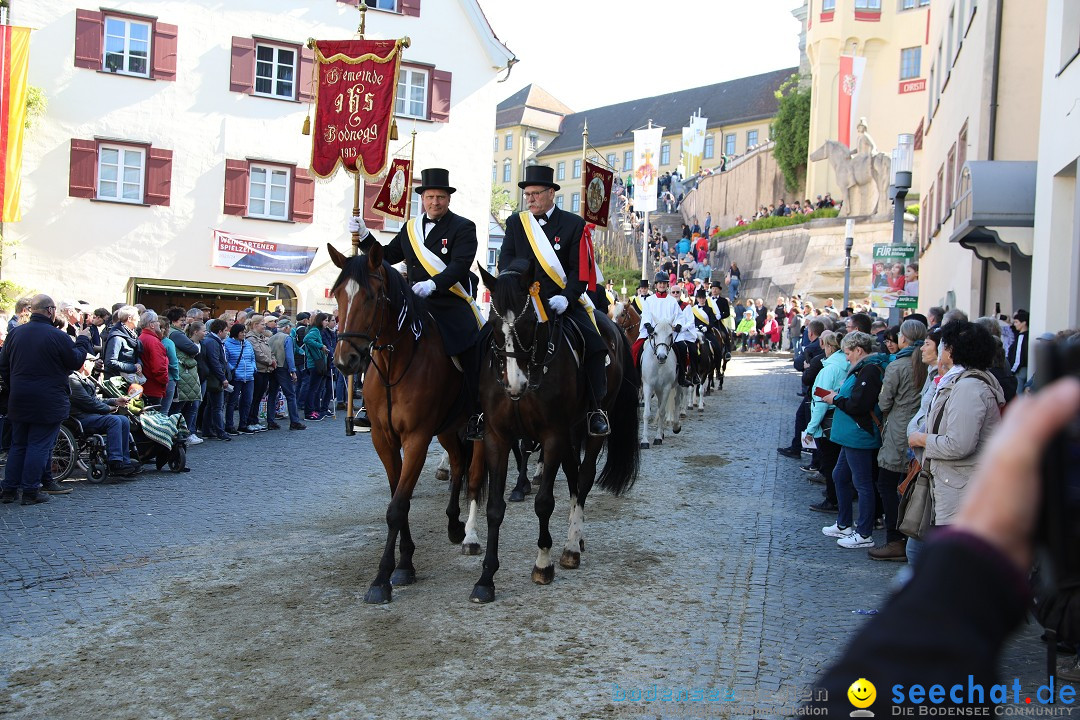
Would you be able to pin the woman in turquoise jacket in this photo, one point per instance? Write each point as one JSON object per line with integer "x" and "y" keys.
{"x": 856, "y": 422}
{"x": 314, "y": 349}
{"x": 831, "y": 376}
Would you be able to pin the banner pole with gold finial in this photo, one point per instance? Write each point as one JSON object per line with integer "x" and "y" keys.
{"x": 350, "y": 383}
{"x": 412, "y": 164}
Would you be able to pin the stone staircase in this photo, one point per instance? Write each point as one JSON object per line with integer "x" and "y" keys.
{"x": 670, "y": 224}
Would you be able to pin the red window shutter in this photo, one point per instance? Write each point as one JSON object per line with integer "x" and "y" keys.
{"x": 158, "y": 177}
{"x": 354, "y": 3}
{"x": 164, "y": 67}
{"x": 410, "y": 8}
{"x": 236, "y": 187}
{"x": 440, "y": 95}
{"x": 242, "y": 68}
{"x": 303, "y": 196}
{"x": 82, "y": 174}
{"x": 89, "y": 29}
{"x": 373, "y": 220}
{"x": 307, "y": 82}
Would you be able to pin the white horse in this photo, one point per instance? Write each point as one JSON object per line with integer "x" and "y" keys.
{"x": 658, "y": 377}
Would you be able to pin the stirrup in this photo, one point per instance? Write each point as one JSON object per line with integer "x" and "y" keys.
{"x": 474, "y": 428}
{"x": 589, "y": 422}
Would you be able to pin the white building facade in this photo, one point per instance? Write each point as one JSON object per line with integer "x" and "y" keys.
{"x": 164, "y": 127}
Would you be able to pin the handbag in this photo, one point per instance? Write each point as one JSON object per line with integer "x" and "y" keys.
{"x": 320, "y": 365}
{"x": 914, "y": 467}
{"x": 916, "y": 513}
{"x": 230, "y": 370}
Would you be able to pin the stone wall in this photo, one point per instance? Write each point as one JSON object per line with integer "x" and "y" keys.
{"x": 807, "y": 259}
{"x": 751, "y": 181}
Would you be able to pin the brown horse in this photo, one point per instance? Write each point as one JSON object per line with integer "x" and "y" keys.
{"x": 412, "y": 391}
{"x": 534, "y": 388}
{"x": 628, "y": 319}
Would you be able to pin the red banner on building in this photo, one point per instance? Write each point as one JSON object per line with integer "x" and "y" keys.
{"x": 597, "y": 190}
{"x": 354, "y": 105}
{"x": 394, "y": 198}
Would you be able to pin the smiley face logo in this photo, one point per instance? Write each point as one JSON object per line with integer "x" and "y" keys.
{"x": 862, "y": 693}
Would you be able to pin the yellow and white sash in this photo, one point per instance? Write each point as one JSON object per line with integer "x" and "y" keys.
{"x": 701, "y": 315}
{"x": 434, "y": 265}
{"x": 549, "y": 261}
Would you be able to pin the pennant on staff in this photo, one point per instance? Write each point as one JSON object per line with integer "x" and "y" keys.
{"x": 852, "y": 70}
{"x": 354, "y": 105}
{"x": 393, "y": 199}
{"x": 597, "y": 186}
{"x": 645, "y": 171}
{"x": 14, "y": 60}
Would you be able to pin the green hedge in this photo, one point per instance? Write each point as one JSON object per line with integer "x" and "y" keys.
{"x": 773, "y": 221}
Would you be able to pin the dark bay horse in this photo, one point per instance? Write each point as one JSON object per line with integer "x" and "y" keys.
{"x": 412, "y": 392}
{"x": 533, "y": 387}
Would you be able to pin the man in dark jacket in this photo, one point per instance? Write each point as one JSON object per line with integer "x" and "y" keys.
{"x": 99, "y": 416}
{"x": 213, "y": 354}
{"x": 34, "y": 365}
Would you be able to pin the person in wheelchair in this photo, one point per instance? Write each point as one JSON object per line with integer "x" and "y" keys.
{"x": 101, "y": 416}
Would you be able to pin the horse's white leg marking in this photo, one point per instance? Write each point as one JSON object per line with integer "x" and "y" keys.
{"x": 470, "y": 525}
{"x": 576, "y": 526}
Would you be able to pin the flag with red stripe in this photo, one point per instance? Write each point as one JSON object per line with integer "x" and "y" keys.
{"x": 14, "y": 61}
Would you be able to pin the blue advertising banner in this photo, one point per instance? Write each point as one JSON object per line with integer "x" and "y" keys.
{"x": 241, "y": 252}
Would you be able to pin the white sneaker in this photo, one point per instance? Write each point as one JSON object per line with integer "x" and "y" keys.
{"x": 194, "y": 440}
{"x": 836, "y": 531}
{"x": 855, "y": 540}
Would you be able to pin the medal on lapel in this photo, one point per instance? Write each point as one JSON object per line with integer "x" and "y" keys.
{"x": 557, "y": 246}
{"x": 443, "y": 251}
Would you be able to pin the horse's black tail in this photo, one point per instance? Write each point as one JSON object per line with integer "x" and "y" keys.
{"x": 621, "y": 466}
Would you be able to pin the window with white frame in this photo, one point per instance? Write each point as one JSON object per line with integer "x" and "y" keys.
{"x": 496, "y": 146}
{"x": 509, "y": 142}
{"x": 665, "y": 153}
{"x": 534, "y": 141}
{"x": 870, "y": 5}
{"x": 506, "y": 170}
{"x": 382, "y": 4}
{"x": 493, "y": 258}
{"x": 912, "y": 4}
{"x": 709, "y": 148}
{"x": 828, "y": 5}
{"x": 575, "y": 202}
{"x": 268, "y": 192}
{"x": 120, "y": 173}
{"x": 610, "y": 160}
{"x": 577, "y": 169}
{"x": 729, "y": 144}
{"x": 275, "y": 71}
{"x": 910, "y": 63}
{"x": 751, "y": 138}
{"x": 494, "y": 171}
{"x": 393, "y": 224}
{"x": 560, "y": 170}
{"x": 559, "y": 201}
{"x": 127, "y": 46}
{"x": 628, "y": 160}
{"x": 412, "y": 93}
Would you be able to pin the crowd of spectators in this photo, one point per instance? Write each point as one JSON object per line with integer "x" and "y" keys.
{"x": 236, "y": 374}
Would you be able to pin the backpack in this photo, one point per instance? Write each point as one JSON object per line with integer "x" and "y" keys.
{"x": 298, "y": 348}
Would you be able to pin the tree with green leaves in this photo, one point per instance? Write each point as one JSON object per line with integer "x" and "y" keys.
{"x": 791, "y": 131}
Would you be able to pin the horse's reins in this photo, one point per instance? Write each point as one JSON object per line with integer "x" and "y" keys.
{"x": 656, "y": 347}
{"x": 531, "y": 355}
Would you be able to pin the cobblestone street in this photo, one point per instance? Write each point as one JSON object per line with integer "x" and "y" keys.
{"x": 236, "y": 590}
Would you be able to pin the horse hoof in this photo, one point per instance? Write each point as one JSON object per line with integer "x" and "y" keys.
{"x": 570, "y": 560}
{"x": 526, "y": 487}
{"x": 641, "y": 404}
{"x": 378, "y": 594}
{"x": 644, "y": 446}
{"x": 517, "y": 496}
{"x": 543, "y": 576}
{"x": 456, "y": 533}
{"x": 471, "y": 549}
{"x": 676, "y": 428}
{"x": 442, "y": 475}
{"x": 701, "y": 410}
{"x": 482, "y": 594}
{"x": 658, "y": 441}
{"x": 403, "y": 576}
{"x": 581, "y": 544}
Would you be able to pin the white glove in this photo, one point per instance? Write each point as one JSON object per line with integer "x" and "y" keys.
{"x": 558, "y": 304}
{"x": 356, "y": 225}
{"x": 424, "y": 288}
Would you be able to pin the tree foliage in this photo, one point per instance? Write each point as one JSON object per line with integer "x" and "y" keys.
{"x": 500, "y": 201}
{"x": 791, "y": 131}
{"x": 36, "y": 105}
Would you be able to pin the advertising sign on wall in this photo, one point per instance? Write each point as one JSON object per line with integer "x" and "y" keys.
{"x": 894, "y": 281}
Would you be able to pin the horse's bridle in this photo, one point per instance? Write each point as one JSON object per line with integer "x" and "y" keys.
{"x": 534, "y": 356}
{"x": 382, "y": 300}
{"x": 656, "y": 347}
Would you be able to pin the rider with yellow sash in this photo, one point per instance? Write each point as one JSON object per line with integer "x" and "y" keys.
{"x": 551, "y": 240}
{"x": 438, "y": 247}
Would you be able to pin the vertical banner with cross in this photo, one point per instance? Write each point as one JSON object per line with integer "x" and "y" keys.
{"x": 597, "y": 186}
{"x": 645, "y": 170}
{"x": 354, "y": 105}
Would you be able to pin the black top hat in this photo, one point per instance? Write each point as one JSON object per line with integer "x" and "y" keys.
{"x": 643, "y": 284}
{"x": 435, "y": 179}
{"x": 539, "y": 175}
{"x": 701, "y": 293}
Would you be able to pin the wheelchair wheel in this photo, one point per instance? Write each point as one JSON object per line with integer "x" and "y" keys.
{"x": 178, "y": 458}
{"x": 96, "y": 458}
{"x": 65, "y": 455}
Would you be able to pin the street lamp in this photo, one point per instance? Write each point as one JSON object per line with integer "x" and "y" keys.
{"x": 849, "y": 241}
{"x": 903, "y": 160}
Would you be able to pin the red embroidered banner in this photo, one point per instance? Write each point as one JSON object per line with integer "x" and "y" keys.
{"x": 354, "y": 105}
{"x": 393, "y": 200}
{"x": 597, "y": 190}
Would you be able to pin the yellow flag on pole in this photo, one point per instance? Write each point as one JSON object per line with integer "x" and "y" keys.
{"x": 14, "y": 60}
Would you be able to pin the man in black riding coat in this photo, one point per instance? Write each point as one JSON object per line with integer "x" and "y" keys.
{"x": 556, "y": 242}
{"x": 438, "y": 247}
